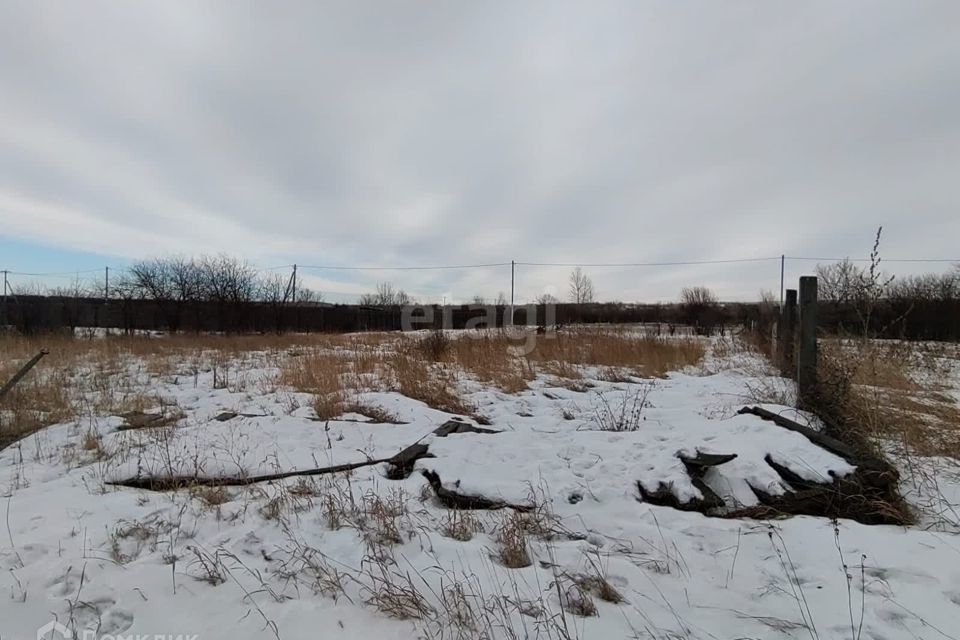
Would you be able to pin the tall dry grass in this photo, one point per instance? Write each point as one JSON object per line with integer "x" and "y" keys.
{"x": 110, "y": 374}
{"x": 492, "y": 358}
{"x": 320, "y": 374}
{"x": 644, "y": 355}
{"x": 436, "y": 385}
{"x": 890, "y": 393}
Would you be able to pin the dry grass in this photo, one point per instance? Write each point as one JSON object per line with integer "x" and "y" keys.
{"x": 491, "y": 359}
{"x": 461, "y": 525}
{"x": 40, "y": 399}
{"x": 82, "y": 376}
{"x": 212, "y": 496}
{"x": 644, "y": 355}
{"x": 512, "y": 549}
{"x": 887, "y": 394}
{"x": 623, "y": 413}
{"x": 575, "y": 599}
{"x": 319, "y": 374}
{"x": 434, "y": 385}
{"x": 375, "y": 413}
{"x": 111, "y": 375}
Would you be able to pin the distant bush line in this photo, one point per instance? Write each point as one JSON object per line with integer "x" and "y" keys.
{"x": 895, "y": 318}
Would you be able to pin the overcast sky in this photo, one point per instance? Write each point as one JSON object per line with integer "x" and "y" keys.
{"x": 432, "y": 133}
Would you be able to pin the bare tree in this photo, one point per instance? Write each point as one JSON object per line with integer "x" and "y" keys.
{"x": 151, "y": 278}
{"x": 386, "y": 296}
{"x": 547, "y": 298}
{"x": 698, "y": 297}
{"x": 581, "y": 287}
{"x": 839, "y": 282}
{"x": 701, "y": 307}
{"x": 501, "y": 299}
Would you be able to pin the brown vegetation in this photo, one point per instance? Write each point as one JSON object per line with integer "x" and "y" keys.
{"x": 887, "y": 393}
{"x": 645, "y": 355}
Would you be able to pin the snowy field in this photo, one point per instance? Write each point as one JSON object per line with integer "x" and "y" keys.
{"x": 356, "y": 554}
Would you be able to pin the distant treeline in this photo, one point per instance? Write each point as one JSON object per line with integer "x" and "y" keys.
{"x": 863, "y": 300}
{"x": 224, "y": 294}
{"x": 891, "y": 318}
{"x": 31, "y": 314}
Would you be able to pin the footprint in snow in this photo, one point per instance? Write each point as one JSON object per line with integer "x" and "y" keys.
{"x": 116, "y": 621}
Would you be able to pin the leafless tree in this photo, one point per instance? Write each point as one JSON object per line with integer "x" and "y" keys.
{"x": 839, "y": 282}
{"x": 151, "y": 278}
{"x": 386, "y": 296}
{"x": 227, "y": 279}
{"x": 698, "y": 297}
{"x": 547, "y": 298}
{"x": 701, "y": 307}
{"x": 501, "y": 299}
{"x": 581, "y": 287}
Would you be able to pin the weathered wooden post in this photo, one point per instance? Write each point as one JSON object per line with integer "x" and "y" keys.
{"x": 807, "y": 352}
{"x": 24, "y": 370}
{"x": 788, "y": 334}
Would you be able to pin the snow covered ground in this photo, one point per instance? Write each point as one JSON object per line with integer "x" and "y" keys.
{"x": 362, "y": 555}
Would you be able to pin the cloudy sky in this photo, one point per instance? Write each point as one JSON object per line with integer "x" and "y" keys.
{"x": 446, "y": 133}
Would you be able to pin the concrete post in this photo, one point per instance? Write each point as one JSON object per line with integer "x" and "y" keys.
{"x": 807, "y": 352}
{"x": 788, "y": 334}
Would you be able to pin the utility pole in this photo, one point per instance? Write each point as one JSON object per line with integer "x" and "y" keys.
{"x": 294, "y": 292}
{"x": 513, "y": 268}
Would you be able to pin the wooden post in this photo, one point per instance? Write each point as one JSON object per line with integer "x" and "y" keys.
{"x": 24, "y": 370}
{"x": 6, "y": 320}
{"x": 807, "y": 352}
{"x": 788, "y": 334}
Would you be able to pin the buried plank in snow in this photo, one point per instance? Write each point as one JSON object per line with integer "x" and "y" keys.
{"x": 863, "y": 495}
{"x": 455, "y": 500}
{"x": 696, "y": 466}
{"x": 400, "y": 463}
{"x": 230, "y": 415}
{"x": 868, "y": 494}
{"x": 456, "y": 426}
{"x": 664, "y": 496}
{"x": 822, "y": 440}
{"x": 142, "y": 420}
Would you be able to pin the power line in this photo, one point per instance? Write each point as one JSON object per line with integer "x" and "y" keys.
{"x": 882, "y": 260}
{"x": 643, "y": 264}
{"x": 56, "y": 273}
{"x": 673, "y": 263}
{"x": 429, "y": 268}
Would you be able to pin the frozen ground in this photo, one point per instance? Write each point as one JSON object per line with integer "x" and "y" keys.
{"x": 360, "y": 555}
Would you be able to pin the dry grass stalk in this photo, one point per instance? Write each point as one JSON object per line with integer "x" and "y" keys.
{"x": 374, "y": 412}
{"x": 875, "y": 390}
{"x": 649, "y": 356}
{"x": 212, "y": 496}
{"x": 511, "y": 537}
{"x": 435, "y": 386}
{"x": 624, "y": 413}
{"x": 576, "y": 600}
{"x": 461, "y": 525}
{"x": 394, "y": 593}
{"x": 491, "y": 359}
{"x": 319, "y": 374}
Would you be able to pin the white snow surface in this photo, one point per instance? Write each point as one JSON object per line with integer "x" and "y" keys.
{"x": 98, "y": 557}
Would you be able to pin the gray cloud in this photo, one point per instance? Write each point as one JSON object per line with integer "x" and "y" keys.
{"x": 427, "y": 133}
